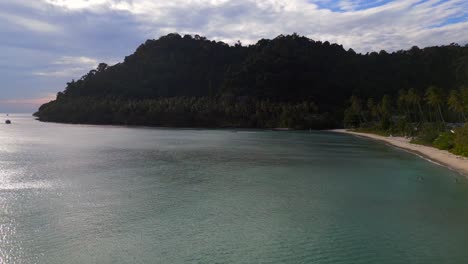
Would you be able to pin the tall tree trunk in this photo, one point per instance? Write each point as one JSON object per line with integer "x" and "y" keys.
{"x": 408, "y": 114}
{"x": 421, "y": 112}
{"x": 441, "y": 115}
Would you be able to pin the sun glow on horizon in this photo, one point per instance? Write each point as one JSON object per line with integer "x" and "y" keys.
{"x": 27, "y": 103}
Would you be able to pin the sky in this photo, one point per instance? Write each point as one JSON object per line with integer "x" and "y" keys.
{"x": 46, "y": 43}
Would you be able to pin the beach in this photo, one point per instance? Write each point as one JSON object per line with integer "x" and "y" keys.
{"x": 99, "y": 194}
{"x": 441, "y": 157}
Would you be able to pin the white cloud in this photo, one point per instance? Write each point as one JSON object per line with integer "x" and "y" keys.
{"x": 68, "y": 72}
{"x": 29, "y": 23}
{"x": 395, "y": 25}
{"x": 37, "y": 35}
{"x": 68, "y": 66}
{"x": 81, "y": 60}
{"x": 78, "y": 4}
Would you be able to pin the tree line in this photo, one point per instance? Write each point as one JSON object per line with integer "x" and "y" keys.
{"x": 434, "y": 117}
{"x": 286, "y": 70}
{"x": 186, "y": 112}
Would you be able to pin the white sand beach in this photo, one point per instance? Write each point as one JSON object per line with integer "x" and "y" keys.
{"x": 441, "y": 157}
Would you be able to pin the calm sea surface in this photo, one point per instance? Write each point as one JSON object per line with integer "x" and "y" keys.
{"x": 96, "y": 194}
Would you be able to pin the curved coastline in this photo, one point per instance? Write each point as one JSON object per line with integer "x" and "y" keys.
{"x": 437, "y": 156}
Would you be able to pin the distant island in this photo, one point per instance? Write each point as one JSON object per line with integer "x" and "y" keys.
{"x": 290, "y": 81}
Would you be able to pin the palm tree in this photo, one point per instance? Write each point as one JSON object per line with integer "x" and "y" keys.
{"x": 373, "y": 109}
{"x": 464, "y": 97}
{"x": 356, "y": 106}
{"x": 386, "y": 111}
{"x": 455, "y": 103}
{"x": 403, "y": 103}
{"x": 434, "y": 98}
{"x": 386, "y": 105}
{"x": 414, "y": 99}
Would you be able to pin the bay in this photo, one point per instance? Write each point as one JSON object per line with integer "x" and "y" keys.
{"x": 103, "y": 194}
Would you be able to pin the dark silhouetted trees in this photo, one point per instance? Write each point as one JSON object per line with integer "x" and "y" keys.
{"x": 282, "y": 74}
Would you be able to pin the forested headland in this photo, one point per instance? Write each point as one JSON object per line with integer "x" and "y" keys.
{"x": 290, "y": 81}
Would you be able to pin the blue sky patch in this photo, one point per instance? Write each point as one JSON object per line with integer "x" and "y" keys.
{"x": 46, "y": 43}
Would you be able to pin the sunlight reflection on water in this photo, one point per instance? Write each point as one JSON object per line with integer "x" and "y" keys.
{"x": 94, "y": 194}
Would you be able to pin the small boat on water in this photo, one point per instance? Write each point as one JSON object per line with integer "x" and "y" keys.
{"x": 7, "y": 122}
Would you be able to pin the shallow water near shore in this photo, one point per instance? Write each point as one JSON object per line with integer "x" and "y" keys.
{"x": 101, "y": 194}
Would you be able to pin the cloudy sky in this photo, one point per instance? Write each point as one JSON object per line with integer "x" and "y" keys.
{"x": 45, "y": 43}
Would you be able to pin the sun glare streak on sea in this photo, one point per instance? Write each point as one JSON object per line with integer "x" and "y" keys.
{"x": 100, "y": 194}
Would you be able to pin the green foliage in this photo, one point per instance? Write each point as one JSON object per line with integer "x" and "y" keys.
{"x": 427, "y": 134}
{"x": 395, "y": 118}
{"x": 445, "y": 141}
{"x": 354, "y": 113}
{"x": 455, "y": 102}
{"x": 458, "y": 102}
{"x": 461, "y": 141}
{"x": 386, "y": 112}
{"x": 402, "y": 127}
{"x": 186, "y": 112}
{"x": 351, "y": 119}
{"x": 435, "y": 98}
{"x": 286, "y": 70}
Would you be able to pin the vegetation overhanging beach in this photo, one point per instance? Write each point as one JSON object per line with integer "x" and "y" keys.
{"x": 441, "y": 157}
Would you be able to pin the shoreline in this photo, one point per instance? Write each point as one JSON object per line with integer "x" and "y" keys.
{"x": 437, "y": 156}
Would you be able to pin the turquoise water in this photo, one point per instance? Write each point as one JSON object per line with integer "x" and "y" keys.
{"x": 95, "y": 194}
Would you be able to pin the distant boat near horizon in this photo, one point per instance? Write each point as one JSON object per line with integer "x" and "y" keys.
{"x": 99, "y": 194}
